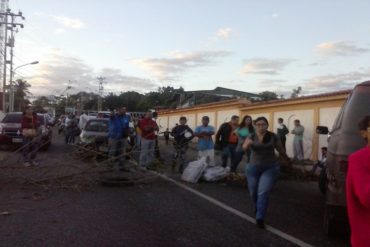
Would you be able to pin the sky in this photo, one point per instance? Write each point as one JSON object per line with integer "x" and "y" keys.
{"x": 252, "y": 46}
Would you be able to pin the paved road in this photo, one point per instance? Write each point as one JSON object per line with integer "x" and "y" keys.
{"x": 157, "y": 214}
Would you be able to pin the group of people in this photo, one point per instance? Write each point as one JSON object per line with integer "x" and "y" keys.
{"x": 119, "y": 131}
{"x": 250, "y": 138}
{"x": 230, "y": 138}
{"x": 237, "y": 139}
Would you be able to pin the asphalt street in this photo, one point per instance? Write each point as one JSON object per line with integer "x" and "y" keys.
{"x": 158, "y": 213}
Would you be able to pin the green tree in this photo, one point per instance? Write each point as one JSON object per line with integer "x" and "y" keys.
{"x": 296, "y": 92}
{"x": 40, "y": 103}
{"x": 268, "y": 95}
{"x": 60, "y": 105}
{"x": 21, "y": 91}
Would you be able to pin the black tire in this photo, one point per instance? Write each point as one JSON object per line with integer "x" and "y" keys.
{"x": 336, "y": 222}
{"x": 323, "y": 181}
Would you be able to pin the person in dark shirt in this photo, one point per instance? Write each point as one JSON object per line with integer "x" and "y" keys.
{"x": 227, "y": 140}
{"x": 282, "y": 131}
{"x": 182, "y": 134}
{"x": 167, "y": 136}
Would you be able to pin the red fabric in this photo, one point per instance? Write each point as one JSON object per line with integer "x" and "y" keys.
{"x": 358, "y": 197}
{"x": 148, "y": 127}
{"x": 28, "y": 123}
{"x": 233, "y": 138}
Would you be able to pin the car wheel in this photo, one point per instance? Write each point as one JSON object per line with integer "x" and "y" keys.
{"x": 323, "y": 182}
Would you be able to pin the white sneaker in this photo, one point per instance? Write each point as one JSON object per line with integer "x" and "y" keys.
{"x": 27, "y": 164}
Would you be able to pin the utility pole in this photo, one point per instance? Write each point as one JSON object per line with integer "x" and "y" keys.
{"x": 3, "y": 7}
{"x": 9, "y": 26}
{"x": 101, "y": 88}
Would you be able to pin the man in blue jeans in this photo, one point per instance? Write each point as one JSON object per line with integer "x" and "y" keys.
{"x": 118, "y": 130}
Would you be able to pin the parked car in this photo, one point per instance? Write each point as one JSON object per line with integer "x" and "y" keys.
{"x": 95, "y": 134}
{"x": 11, "y": 131}
{"x": 104, "y": 114}
{"x": 343, "y": 140}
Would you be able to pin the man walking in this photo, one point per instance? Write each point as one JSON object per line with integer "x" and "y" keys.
{"x": 71, "y": 124}
{"x": 147, "y": 127}
{"x": 227, "y": 139}
{"x": 182, "y": 134}
{"x": 205, "y": 145}
{"x": 118, "y": 130}
{"x": 282, "y": 131}
{"x": 298, "y": 140}
{"x": 30, "y": 125}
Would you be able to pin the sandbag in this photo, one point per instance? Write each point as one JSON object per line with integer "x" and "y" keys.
{"x": 215, "y": 173}
{"x": 193, "y": 172}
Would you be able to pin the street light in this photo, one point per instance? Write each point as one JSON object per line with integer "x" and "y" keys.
{"x": 11, "y": 94}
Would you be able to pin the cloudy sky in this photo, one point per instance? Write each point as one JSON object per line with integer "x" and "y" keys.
{"x": 139, "y": 45}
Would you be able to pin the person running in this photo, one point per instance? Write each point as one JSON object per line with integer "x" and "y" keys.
{"x": 358, "y": 189}
{"x": 30, "y": 125}
{"x": 118, "y": 130}
{"x": 245, "y": 129}
{"x": 227, "y": 140}
{"x": 205, "y": 145}
{"x": 263, "y": 169}
{"x": 183, "y": 135}
{"x": 148, "y": 127}
{"x": 282, "y": 131}
{"x": 298, "y": 140}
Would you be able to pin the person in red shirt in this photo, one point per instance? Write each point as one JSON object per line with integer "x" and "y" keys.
{"x": 148, "y": 127}
{"x": 358, "y": 190}
{"x": 30, "y": 125}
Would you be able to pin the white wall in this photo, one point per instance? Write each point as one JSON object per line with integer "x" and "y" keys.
{"x": 176, "y": 119}
{"x": 191, "y": 120}
{"x": 162, "y": 123}
{"x": 173, "y": 121}
{"x": 254, "y": 116}
{"x": 327, "y": 118}
{"x": 211, "y": 115}
{"x": 225, "y": 116}
{"x": 306, "y": 118}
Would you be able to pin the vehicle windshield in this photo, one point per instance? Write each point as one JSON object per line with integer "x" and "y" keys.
{"x": 12, "y": 118}
{"x": 97, "y": 126}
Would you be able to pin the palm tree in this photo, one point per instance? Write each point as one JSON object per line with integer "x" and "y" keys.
{"x": 21, "y": 88}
